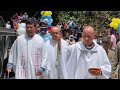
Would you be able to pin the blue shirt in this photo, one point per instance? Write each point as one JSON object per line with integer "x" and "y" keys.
{"x": 46, "y": 37}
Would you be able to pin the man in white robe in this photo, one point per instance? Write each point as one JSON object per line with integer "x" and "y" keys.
{"x": 56, "y": 51}
{"x": 86, "y": 59}
{"x": 28, "y": 55}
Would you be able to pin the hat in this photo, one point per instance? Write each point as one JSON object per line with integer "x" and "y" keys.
{"x": 43, "y": 21}
{"x": 71, "y": 36}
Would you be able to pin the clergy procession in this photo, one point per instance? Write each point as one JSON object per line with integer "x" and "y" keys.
{"x": 67, "y": 50}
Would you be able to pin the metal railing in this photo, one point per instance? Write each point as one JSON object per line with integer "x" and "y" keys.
{"x": 7, "y": 37}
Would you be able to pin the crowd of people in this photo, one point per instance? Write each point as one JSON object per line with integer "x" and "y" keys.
{"x": 65, "y": 51}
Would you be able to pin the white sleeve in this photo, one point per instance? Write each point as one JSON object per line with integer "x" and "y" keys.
{"x": 13, "y": 53}
{"x": 44, "y": 57}
{"x": 105, "y": 66}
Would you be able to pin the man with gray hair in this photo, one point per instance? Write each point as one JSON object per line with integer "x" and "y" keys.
{"x": 86, "y": 59}
{"x": 56, "y": 53}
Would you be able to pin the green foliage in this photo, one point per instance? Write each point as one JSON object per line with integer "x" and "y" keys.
{"x": 99, "y": 19}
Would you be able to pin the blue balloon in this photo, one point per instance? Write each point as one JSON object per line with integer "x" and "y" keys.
{"x": 118, "y": 29}
{"x": 49, "y": 23}
{"x": 119, "y": 24}
{"x": 49, "y": 17}
{"x": 43, "y": 17}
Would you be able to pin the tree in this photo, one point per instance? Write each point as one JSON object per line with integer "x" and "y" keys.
{"x": 99, "y": 19}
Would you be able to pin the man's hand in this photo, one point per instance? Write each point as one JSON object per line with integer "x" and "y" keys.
{"x": 9, "y": 69}
{"x": 38, "y": 72}
{"x": 95, "y": 71}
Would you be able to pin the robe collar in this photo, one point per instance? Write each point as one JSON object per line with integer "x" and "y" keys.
{"x": 28, "y": 37}
{"x": 81, "y": 46}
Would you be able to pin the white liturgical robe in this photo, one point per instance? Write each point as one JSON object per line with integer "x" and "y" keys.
{"x": 27, "y": 55}
{"x": 57, "y": 68}
{"x": 79, "y": 59}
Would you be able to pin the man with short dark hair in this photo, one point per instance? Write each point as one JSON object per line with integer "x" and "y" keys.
{"x": 28, "y": 55}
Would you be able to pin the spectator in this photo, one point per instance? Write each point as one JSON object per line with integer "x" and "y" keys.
{"x": 8, "y": 26}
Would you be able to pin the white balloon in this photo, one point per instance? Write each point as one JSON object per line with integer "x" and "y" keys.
{"x": 22, "y": 25}
{"x": 45, "y": 20}
{"x": 51, "y": 20}
{"x": 21, "y": 31}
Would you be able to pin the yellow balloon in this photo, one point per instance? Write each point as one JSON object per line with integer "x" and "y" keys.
{"x": 50, "y": 13}
{"x": 116, "y": 20}
{"x": 114, "y": 25}
{"x": 42, "y": 12}
{"x": 46, "y": 13}
{"x": 113, "y": 19}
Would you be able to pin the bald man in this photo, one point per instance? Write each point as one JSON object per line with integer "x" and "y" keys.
{"x": 56, "y": 48}
{"x": 86, "y": 59}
